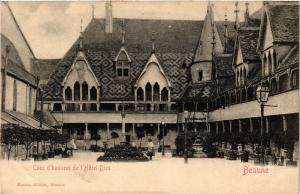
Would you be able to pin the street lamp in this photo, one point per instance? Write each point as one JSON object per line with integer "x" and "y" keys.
{"x": 185, "y": 114}
{"x": 163, "y": 138}
{"x": 262, "y": 94}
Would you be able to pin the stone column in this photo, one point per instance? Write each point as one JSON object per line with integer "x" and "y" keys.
{"x": 117, "y": 107}
{"x": 107, "y": 130}
{"x": 223, "y": 125}
{"x": 123, "y": 129}
{"x": 86, "y": 134}
{"x": 240, "y": 126}
{"x": 284, "y": 122}
{"x": 230, "y": 126}
{"x": 133, "y": 131}
{"x": 267, "y": 125}
{"x": 158, "y": 128}
{"x": 251, "y": 125}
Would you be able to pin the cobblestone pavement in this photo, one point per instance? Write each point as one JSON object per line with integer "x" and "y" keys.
{"x": 81, "y": 174}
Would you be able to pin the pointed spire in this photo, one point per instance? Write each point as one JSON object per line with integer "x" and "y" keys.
{"x": 123, "y": 33}
{"x": 93, "y": 11}
{"x": 80, "y": 37}
{"x": 236, "y": 11}
{"x": 108, "y": 17}
{"x": 247, "y": 15}
{"x": 153, "y": 43}
{"x": 226, "y": 32}
{"x": 213, "y": 39}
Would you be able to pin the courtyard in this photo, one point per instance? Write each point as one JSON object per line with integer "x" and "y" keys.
{"x": 161, "y": 175}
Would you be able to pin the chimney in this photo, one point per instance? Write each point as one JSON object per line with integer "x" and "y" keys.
{"x": 108, "y": 18}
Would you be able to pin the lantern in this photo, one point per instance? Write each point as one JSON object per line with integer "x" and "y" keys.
{"x": 262, "y": 93}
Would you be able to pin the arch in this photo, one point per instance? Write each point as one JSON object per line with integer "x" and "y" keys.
{"x": 57, "y": 107}
{"x": 76, "y": 91}
{"x": 269, "y": 63}
{"x": 148, "y": 89}
{"x": 245, "y": 75}
{"x": 156, "y": 92}
{"x": 93, "y": 93}
{"x": 264, "y": 65}
{"x": 283, "y": 83}
{"x": 274, "y": 60}
{"x": 164, "y": 94}
{"x": 140, "y": 94}
{"x": 68, "y": 93}
{"x": 295, "y": 79}
{"x": 85, "y": 91}
{"x": 250, "y": 93}
{"x": 238, "y": 77}
{"x": 273, "y": 86}
{"x": 243, "y": 98}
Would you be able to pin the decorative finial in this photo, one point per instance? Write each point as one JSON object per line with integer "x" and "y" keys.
{"x": 247, "y": 15}
{"x": 226, "y": 32}
{"x": 93, "y": 11}
{"x": 123, "y": 33}
{"x": 213, "y": 39}
{"x": 153, "y": 41}
{"x": 236, "y": 11}
{"x": 80, "y": 37}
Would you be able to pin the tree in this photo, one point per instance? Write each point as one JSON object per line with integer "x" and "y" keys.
{"x": 114, "y": 135}
{"x": 140, "y": 134}
{"x": 96, "y": 137}
{"x": 27, "y": 139}
{"x": 11, "y": 135}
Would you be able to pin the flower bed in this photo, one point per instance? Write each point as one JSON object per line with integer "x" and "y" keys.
{"x": 123, "y": 153}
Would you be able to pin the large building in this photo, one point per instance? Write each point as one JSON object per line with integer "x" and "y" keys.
{"x": 131, "y": 75}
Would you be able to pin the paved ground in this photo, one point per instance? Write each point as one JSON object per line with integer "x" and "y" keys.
{"x": 81, "y": 174}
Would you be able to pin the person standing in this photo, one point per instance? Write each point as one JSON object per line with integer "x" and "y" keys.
{"x": 150, "y": 149}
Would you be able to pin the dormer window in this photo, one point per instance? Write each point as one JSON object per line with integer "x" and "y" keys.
{"x": 123, "y": 62}
{"x": 122, "y": 69}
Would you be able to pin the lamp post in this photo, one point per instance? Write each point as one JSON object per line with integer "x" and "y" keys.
{"x": 123, "y": 122}
{"x": 163, "y": 138}
{"x": 262, "y": 94}
{"x": 185, "y": 137}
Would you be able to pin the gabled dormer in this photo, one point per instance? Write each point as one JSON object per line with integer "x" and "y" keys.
{"x": 153, "y": 83}
{"x": 122, "y": 61}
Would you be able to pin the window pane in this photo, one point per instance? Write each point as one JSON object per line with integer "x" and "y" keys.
{"x": 119, "y": 72}
{"x": 126, "y": 72}
{"x": 200, "y": 75}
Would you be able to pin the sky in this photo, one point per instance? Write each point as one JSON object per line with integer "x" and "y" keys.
{"x": 52, "y": 27}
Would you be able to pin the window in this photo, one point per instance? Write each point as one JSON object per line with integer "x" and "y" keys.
{"x": 274, "y": 61}
{"x": 123, "y": 69}
{"x": 15, "y": 96}
{"x": 295, "y": 79}
{"x": 273, "y": 86}
{"x": 283, "y": 83}
{"x": 57, "y": 107}
{"x": 93, "y": 93}
{"x": 85, "y": 91}
{"x": 200, "y": 75}
{"x": 77, "y": 91}
{"x": 140, "y": 94}
{"x": 156, "y": 92}
{"x": 68, "y": 93}
{"x": 164, "y": 94}
{"x": 148, "y": 92}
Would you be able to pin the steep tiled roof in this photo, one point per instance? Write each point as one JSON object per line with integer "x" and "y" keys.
{"x": 248, "y": 37}
{"x": 284, "y": 21}
{"x": 231, "y": 33}
{"x": 222, "y": 64}
{"x": 44, "y": 67}
{"x": 201, "y": 91}
{"x": 227, "y": 84}
{"x": 47, "y": 118}
{"x": 15, "y": 66}
{"x": 291, "y": 59}
{"x": 173, "y": 49}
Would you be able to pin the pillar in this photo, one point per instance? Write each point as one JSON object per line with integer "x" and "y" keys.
{"x": 133, "y": 131}
{"x": 158, "y": 128}
{"x": 208, "y": 128}
{"x": 251, "y": 125}
{"x": 284, "y": 122}
{"x": 217, "y": 128}
{"x": 230, "y": 126}
{"x": 117, "y": 107}
{"x": 267, "y": 125}
{"x": 86, "y": 133}
{"x": 223, "y": 125}
{"x": 240, "y": 126}
{"x": 107, "y": 130}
